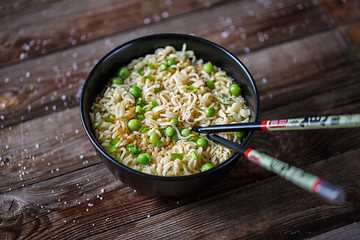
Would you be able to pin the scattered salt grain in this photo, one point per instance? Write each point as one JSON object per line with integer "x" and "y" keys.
{"x": 23, "y": 56}
{"x": 75, "y": 67}
{"x": 156, "y": 17}
{"x": 165, "y": 14}
{"x": 26, "y": 47}
{"x": 250, "y": 12}
{"x": 147, "y": 21}
{"x": 225, "y": 34}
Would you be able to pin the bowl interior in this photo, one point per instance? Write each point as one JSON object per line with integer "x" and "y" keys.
{"x": 125, "y": 53}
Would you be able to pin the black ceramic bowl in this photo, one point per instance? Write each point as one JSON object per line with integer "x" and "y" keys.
{"x": 122, "y": 55}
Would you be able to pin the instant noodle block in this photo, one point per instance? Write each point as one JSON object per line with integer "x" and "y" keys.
{"x": 140, "y": 101}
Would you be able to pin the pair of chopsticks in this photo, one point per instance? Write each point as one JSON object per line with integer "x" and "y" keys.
{"x": 295, "y": 175}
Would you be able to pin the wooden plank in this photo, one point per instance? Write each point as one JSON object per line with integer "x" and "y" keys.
{"x": 237, "y": 30}
{"x": 65, "y": 212}
{"x": 54, "y": 186}
{"x": 43, "y": 30}
{"x": 28, "y": 157}
{"x": 335, "y": 94}
{"x": 59, "y": 88}
{"x": 125, "y": 209}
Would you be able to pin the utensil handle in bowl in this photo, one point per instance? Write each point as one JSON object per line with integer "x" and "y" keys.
{"x": 336, "y": 121}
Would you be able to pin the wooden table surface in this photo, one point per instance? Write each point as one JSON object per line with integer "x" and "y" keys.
{"x": 305, "y": 59}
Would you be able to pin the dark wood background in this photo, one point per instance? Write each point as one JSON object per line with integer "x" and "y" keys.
{"x": 304, "y": 56}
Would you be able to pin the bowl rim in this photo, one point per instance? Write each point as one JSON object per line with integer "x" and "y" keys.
{"x": 167, "y": 35}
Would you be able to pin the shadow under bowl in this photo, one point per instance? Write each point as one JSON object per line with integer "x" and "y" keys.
{"x": 123, "y": 55}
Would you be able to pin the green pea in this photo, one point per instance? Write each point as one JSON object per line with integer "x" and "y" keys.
{"x": 163, "y": 66}
{"x": 175, "y": 121}
{"x": 210, "y": 111}
{"x": 169, "y": 131}
{"x": 134, "y": 125}
{"x": 153, "y": 138}
{"x": 117, "y": 81}
{"x": 241, "y": 134}
{"x": 185, "y": 132}
{"x": 135, "y": 91}
{"x": 170, "y": 62}
{"x": 144, "y": 158}
{"x": 202, "y": 142}
{"x": 210, "y": 84}
{"x": 235, "y": 90}
{"x": 208, "y": 67}
{"x": 206, "y": 166}
{"x": 123, "y": 72}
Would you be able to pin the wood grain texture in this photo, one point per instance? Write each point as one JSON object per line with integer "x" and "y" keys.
{"x": 65, "y": 78}
{"x": 304, "y": 56}
{"x": 63, "y": 24}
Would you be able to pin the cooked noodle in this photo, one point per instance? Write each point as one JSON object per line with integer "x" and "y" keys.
{"x": 175, "y": 100}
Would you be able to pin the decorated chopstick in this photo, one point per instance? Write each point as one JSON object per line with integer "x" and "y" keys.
{"x": 336, "y": 121}
{"x": 293, "y": 174}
